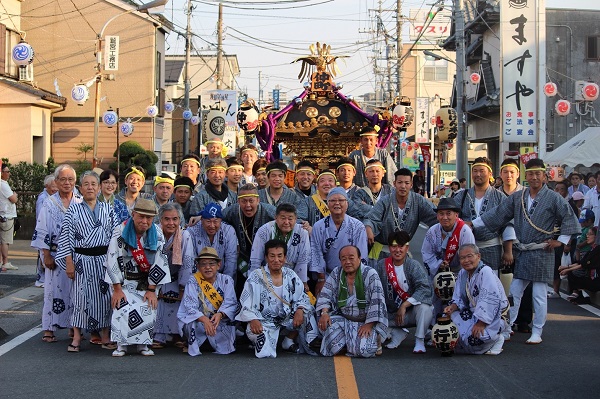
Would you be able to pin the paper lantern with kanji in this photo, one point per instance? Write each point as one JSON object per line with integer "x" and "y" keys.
{"x": 213, "y": 123}
{"x": 475, "y": 78}
{"x": 247, "y": 116}
{"x": 110, "y": 118}
{"x": 590, "y": 91}
{"x": 402, "y": 114}
{"x": 562, "y": 107}
{"x": 446, "y": 122}
{"x": 80, "y": 94}
{"x": 22, "y": 54}
{"x": 550, "y": 89}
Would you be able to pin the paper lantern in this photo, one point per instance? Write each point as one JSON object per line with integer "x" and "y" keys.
{"x": 126, "y": 128}
{"x": 247, "y": 116}
{"x": 550, "y": 89}
{"x": 110, "y": 118}
{"x": 404, "y": 144}
{"x": 444, "y": 335}
{"x": 195, "y": 120}
{"x": 152, "y": 111}
{"x": 214, "y": 123}
{"x": 410, "y": 147}
{"x": 169, "y": 107}
{"x": 415, "y": 146}
{"x": 443, "y": 284}
{"x": 446, "y": 122}
{"x": 475, "y": 78}
{"x": 590, "y": 92}
{"x": 187, "y": 114}
{"x": 22, "y": 54}
{"x": 80, "y": 94}
{"x": 403, "y": 114}
{"x": 562, "y": 107}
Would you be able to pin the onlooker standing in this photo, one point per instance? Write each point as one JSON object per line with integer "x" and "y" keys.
{"x": 50, "y": 188}
{"x": 8, "y": 213}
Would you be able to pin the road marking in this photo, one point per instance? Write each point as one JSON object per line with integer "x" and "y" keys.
{"x": 18, "y": 312}
{"x": 13, "y": 343}
{"x": 344, "y": 376}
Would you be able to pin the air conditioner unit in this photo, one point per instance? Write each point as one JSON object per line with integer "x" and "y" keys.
{"x": 26, "y": 73}
{"x": 579, "y": 90}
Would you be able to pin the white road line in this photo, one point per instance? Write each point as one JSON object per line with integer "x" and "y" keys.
{"x": 13, "y": 343}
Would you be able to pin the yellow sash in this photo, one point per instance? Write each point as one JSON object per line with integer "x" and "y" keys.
{"x": 322, "y": 206}
{"x": 209, "y": 291}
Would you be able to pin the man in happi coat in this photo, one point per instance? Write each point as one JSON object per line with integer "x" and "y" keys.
{"x": 332, "y": 233}
{"x": 209, "y": 306}
{"x": 278, "y": 193}
{"x": 536, "y": 211}
{"x": 246, "y": 217}
{"x": 57, "y": 308}
{"x": 495, "y": 248}
{"x": 284, "y": 228}
{"x": 274, "y": 301}
{"x": 305, "y": 177}
{"x": 375, "y": 189}
{"x": 345, "y": 170}
{"x": 214, "y": 147}
{"x": 135, "y": 268}
{"x": 477, "y": 305}
{"x": 171, "y": 293}
{"x": 135, "y": 178}
{"x": 407, "y": 291}
{"x": 368, "y": 151}
{"x": 190, "y": 168}
{"x": 215, "y": 190}
{"x": 211, "y": 232}
{"x": 352, "y": 310}
{"x": 402, "y": 210}
{"x": 86, "y": 231}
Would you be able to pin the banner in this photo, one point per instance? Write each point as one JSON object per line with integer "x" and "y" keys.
{"x": 439, "y": 28}
{"x": 422, "y": 127}
{"x": 111, "y": 53}
{"x": 219, "y": 117}
{"x": 425, "y": 151}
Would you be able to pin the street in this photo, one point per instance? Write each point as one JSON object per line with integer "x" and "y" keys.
{"x": 562, "y": 366}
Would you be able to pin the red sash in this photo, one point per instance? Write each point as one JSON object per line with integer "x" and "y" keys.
{"x": 140, "y": 258}
{"x": 392, "y": 278}
{"x": 452, "y": 247}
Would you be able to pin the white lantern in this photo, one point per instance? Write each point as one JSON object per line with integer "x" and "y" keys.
{"x": 22, "y": 54}
{"x": 214, "y": 123}
{"x": 402, "y": 115}
{"x": 80, "y": 94}
{"x": 446, "y": 122}
{"x": 126, "y": 128}
{"x": 550, "y": 89}
{"x": 152, "y": 111}
{"x": 475, "y": 78}
{"x": 169, "y": 107}
{"x": 247, "y": 116}
{"x": 195, "y": 120}
{"x": 110, "y": 118}
{"x": 590, "y": 92}
{"x": 562, "y": 107}
{"x": 187, "y": 114}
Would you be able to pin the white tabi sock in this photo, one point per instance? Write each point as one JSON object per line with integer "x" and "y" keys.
{"x": 419, "y": 345}
{"x": 286, "y": 343}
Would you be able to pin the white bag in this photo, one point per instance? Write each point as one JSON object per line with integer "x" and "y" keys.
{"x": 565, "y": 259}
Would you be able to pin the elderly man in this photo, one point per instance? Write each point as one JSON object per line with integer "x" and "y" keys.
{"x": 8, "y": 212}
{"x": 50, "y": 188}
{"x": 274, "y": 299}
{"x": 57, "y": 287}
{"x": 209, "y": 307}
{"x": 248, "y": 156}
{"x": 211, "y": 232}
{"x": 369, "y": 150}
{"x": 305, "y": 176}
{"x": 536, "y": 211}
{"x": 215, "y": 189}
{"x": 352, "y": 308}
{"x": 278, "y": 193}
{"x": 374, "y": 190}
{"x": 407, "y": 291}
{"x": 190, "y": 168}
{"x": 135, "y": 268}
{"x": 284, "y": 228}
{"x": 332, "y": 233}
{"x": 478, "y": 305}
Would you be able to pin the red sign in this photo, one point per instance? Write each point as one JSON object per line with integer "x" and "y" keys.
{"x": 528, "y": 157}
{"x": 426, "y": 153}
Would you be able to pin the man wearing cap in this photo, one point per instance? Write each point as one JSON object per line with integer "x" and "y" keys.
{"x": 209, "y": 306}
{"x": 163, "y": 190}
{"x": 277, "y": 192}
{"x": 305, "y": 176}
{"x": 246, "y": 217}
{"x": 182, "y": 190}
{"x": 190, "y": 168}
{"x": 248, "y": 156}
{"x": 135, "y": 268}
{"x": 345, "y": 172}
{"x": 135, "y": 178}
{"x": 234, "y": 173}
{"x": 578, "y": 199}
{"x": 375, "y": 189}
{"x": 274, "y": 299}
{"x": 495, "y": 248}
{"x": 211, "y": 232}
{"x": 332, "y": 233}
{"x": 535, "y": 211}
{"x": 215, "y": 189}
{"x": 407, "y": 291}
{"x": 403, "y": 209}
{"x": 577, "y": 184}
{"x": 284, "y": 228}
{"x": 369, "y": 150}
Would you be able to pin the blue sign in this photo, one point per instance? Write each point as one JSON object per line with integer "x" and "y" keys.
{"x": 276, "y": 98}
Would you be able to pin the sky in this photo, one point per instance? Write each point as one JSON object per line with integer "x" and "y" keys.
{"x": 267, "y": 37}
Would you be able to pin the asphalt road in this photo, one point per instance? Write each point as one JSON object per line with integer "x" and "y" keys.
{"x": 563, "y": 366}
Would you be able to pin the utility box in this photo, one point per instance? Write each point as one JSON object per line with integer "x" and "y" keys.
{"x": 579, "y": 89}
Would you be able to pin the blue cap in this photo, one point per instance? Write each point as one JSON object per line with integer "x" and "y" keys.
{"x": 586, "y": 214}
{"x": 211, "y": 211}
{"x": 337, "y": 190}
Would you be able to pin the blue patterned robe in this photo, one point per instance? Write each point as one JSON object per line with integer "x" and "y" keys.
{"x": 224, "y": 242}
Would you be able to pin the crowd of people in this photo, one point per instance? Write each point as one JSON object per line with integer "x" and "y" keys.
{"x": 227, "y": 252}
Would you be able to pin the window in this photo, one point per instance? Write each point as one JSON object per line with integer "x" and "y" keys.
{"x": 8, "y": 39}
{"x": 434, "y": 70}
{"x": 593, "y": 50}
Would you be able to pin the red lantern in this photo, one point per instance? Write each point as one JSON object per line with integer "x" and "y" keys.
{"x": 449, "y": 146}
{"x": 410, "y": 147}
{"x": 590, "y": 92}
{"x": 403, "y": 145}
{"x": 415, "y": 146}
{"x": 550, "y": 89}
{"x": 475, "y": 78}
{"x": 562, "y": 107}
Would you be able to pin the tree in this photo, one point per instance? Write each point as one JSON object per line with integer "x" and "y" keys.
{"x": 84, "y": 148}
{"x": 132, "y": 153}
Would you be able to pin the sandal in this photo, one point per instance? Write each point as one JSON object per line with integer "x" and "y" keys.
{"x": 292, "y": 349}
{"x": 157, "y": 345}
{"x": 96, "y": 341}
{"x": 179, "y": 344}
{"x": 110, "y": 345}
{"x": 49, "y": 338}
{"x": 73, "y": 348}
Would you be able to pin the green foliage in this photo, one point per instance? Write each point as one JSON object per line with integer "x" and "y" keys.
{"x": 82, "y": 165}
{"x": 50, "y": 165}
{"x": 84, "y": 148}
{"x": 132, "y": 153}
{"x": 27, "y": 177}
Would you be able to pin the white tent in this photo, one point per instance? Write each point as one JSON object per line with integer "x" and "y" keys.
{"x": 583, "y": 149}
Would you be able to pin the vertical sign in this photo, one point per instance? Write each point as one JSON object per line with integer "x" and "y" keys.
{"x": 111, "y": 53}
{"x": 220, "y": 117}
{"x": 519, "y": 70}
{"x": 275, "y": 98}
{"x": 422, "y": 121}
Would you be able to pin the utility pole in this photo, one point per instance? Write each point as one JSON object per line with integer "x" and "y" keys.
{"x": 186, "y": 78}
{"x": 398, "y": 47}
{"x": 461, "y": 138}
{"x": 260, "y": 91}
{"x": 220, "y": 48}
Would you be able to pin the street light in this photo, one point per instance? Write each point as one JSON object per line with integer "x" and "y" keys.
{"x": 152, "y": 7}
{"x": 437, "y": 57}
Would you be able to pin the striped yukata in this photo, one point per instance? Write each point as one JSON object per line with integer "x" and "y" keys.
{"x": 224, "y": 242}
{"x": 86, "y": 230}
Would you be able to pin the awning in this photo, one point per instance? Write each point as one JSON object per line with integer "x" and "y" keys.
{"x": 583, "y": 149}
